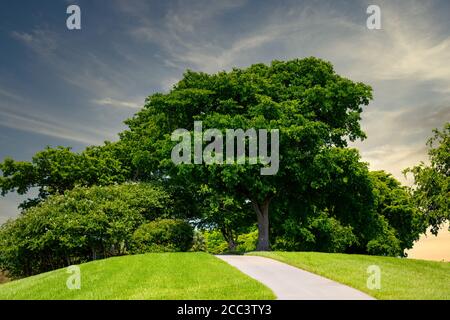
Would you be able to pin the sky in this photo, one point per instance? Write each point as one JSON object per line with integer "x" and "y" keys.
{"x": 76, "y": 87}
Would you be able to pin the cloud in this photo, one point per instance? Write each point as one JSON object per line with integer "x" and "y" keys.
{"x": 408, "y": 47}
{"x": 406, "y": 62}
{"x": 186, "y": 17}
{"x": 10, "y": 95}
{"x": 117, "y": 103}
{"x": 394, "y": 158}
{"x": 181, "y": 33}
{"x": 213, "y": 59}
{"x": 44, "y": 127}
{"x": 80, "y": 66}
{"x": 397, "y": 138}
{"x": 89, "y": 80}
{"x": 42, "y": 42}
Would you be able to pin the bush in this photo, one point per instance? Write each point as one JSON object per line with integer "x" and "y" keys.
{"x": 216, "y": 244}
{"x": 83, "y": 224}
{"x": 214, "y": 241}
{"x": 198, "y": 242}
{"x": 320, "y": 233}
{"x": 247, "y": 242}
{"x": 385, "y": 243}
{"x": 163, "y": 235}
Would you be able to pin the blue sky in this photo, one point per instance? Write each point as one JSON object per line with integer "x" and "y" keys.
{"x": 75, "y": 88}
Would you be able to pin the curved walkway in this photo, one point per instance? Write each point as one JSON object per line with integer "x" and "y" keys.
{"x": 290, "y": 283}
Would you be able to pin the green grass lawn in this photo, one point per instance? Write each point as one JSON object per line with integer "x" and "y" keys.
{"x": 400, "y": 278}
{"x": 149, "y": 276}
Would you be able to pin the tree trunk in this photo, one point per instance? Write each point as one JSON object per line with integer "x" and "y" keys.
{"x": 232, "y": 245}
{"x": 228, "y": 236}
{"x": 262, "y": 214}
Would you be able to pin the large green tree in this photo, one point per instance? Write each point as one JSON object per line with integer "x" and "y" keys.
{"x": 313, "y": 108}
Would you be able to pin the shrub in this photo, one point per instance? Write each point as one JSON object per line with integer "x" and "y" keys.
{"x": 247, "y": 242}
{"x": 83, "y": 224}
{"x": 320, "y": 233}
{"x": 385, "y": 243}
{"x": 215, "y": 242}
{"x": 198, "y": 242}
{"x": 163, "y": 235}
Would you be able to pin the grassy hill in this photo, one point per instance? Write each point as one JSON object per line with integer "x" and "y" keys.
{"x": 400, "y": 278}
{"x": 148, "y": 276}
{"x": 203, "y": 276}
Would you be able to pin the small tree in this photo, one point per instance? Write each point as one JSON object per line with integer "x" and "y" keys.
{"x": 55, "y": 170}
{"x": 396, "y": 205}
{"x": 432, "y": 183}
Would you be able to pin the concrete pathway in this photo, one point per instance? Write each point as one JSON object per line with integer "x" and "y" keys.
{"x": 290, "y": 283}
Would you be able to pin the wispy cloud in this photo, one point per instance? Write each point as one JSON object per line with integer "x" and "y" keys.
{"x": 41, "y": 41}
{"x": 410, "y": 45}
{"x": 406, "y": 62}
{"x": 394, "y": 158}
{"x": 177, "y": 34}
{"x": 89, "y": 136}
{"x": 10, "y": 95}
{"x": 81, "y": 71}
{"x": 117, "y": 103}
{"x": 79, "y": 66}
